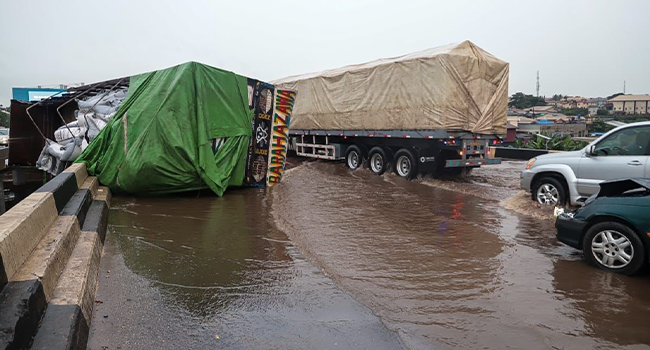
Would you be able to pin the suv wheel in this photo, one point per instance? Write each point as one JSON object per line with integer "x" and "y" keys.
{"x": 549, "y": 191}
{"x": 614, "y": 247}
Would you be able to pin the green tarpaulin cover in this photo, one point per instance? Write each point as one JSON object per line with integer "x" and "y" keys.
{"x": 160, "y": 140}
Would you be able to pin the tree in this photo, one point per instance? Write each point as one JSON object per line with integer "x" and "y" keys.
{"x": 558, "y": 97}
{"x": 574, "y": 111}
{"x": 599, "y": 126}
{"x": 614, "y": 95}
{"x": 521, "y": 101}
{"x": 4, "y": 119}
{"x": 602, "y": 111}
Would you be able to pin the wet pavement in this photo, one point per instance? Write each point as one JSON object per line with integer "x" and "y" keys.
{"x": 213, "y": 273}
{"x": 328, "y": 257}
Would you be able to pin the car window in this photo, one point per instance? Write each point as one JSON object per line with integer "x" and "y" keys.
{"x": 4, "y": 132}
{"x": 628, "y": 141}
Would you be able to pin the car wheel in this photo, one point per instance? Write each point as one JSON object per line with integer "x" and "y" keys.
{"x": 354, "y": 157}
{"x": 405, "y": 164}
{"x": 378, "y": 160}
{"x": 549, "y": 191}
{"x": 614, "y": 247}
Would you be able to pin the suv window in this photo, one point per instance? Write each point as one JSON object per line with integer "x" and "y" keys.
{"x": 626, "y": 142}
{"x": 4, "y": 132}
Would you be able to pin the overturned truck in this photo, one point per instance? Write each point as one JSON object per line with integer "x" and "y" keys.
{"x": 183, "y": 128}
{"x": 425, "y": 112}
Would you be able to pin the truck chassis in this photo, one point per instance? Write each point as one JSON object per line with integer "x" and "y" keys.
{"x": 407, "y": 152}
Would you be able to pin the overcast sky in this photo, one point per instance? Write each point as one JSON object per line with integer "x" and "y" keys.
{"x": 580, "y": 47}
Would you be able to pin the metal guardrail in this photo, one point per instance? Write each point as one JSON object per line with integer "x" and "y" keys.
{"x": 518, "y": 153}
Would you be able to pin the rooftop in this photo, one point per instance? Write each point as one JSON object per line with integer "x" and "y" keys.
{"x": 631, "y": 97}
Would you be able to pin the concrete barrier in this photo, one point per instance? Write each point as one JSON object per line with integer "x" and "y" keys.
{"x": 64, "y": 222}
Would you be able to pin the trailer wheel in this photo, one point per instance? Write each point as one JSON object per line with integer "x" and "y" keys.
{"x": 378, "y": 160}
{"x": 405, "y": 164}
{"x": 354, "y": 157}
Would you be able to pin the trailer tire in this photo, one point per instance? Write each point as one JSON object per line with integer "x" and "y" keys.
{"x": 354, "y": 157}
{"x": 405, "y": 164}
{"x": 378, "y": 160}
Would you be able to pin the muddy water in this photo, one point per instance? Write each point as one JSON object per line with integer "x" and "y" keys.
{"x": 214, "y": 273}
{"x": 458, "y": 263}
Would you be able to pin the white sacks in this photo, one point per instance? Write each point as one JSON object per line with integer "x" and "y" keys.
{"x": 92, "y": 116}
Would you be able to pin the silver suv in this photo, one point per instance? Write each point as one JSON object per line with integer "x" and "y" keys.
{"x": 571, "y": 177}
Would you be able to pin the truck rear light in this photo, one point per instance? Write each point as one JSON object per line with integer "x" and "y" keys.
{"x": 461, "y": 153}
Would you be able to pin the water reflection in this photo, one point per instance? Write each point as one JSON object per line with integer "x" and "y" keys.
{"x": 444, "y": 264}
{"x": 205, "y": 252}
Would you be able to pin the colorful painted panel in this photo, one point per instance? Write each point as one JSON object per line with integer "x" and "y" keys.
{"x": 284, "y": 101}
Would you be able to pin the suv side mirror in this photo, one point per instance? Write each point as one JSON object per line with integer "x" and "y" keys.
{"x": 591, "y": 151}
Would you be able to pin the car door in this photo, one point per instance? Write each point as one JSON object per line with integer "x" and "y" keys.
{"x": 623, "y": 153}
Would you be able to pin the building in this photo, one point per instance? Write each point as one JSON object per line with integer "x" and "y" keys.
{"x": 630, "y": 104}
{"x": 34, "y": 94}
{"x": 593, "y": 110}
{"x": 540, "y": 109}
{"x": 571, "y": 129}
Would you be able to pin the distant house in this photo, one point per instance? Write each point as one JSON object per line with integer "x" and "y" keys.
{"x": 593, "y": 110}
{"x": 540, "y": 109}
{"x": 630, "y": 104}
{"x": 511, "y": 133}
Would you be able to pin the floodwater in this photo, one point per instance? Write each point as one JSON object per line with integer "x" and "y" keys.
{"x": 339, "y": 259}
{"x": 447, "y": 265}
{"x": 214, "y": 273}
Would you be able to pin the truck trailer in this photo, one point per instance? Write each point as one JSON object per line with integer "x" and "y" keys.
{"x": 426, "y": 112}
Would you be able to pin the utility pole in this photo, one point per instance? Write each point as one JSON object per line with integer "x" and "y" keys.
{"x": 537, "y": 84}
{"x": 623, "y": 86}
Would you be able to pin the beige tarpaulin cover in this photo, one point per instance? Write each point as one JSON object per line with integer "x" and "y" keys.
{"x": 457, "y": 87}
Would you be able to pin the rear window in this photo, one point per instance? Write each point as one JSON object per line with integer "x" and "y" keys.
{"x": 4, "y": 132}
{"x": 625, "y": 188}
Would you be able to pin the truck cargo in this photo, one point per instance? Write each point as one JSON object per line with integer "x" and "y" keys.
{"x": 427, "y": 111}
{"x": 183, "y": 128}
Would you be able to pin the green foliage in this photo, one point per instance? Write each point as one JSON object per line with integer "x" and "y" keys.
{"x": 558, "y": 143}
{"x": 4, "y": 119}
{"x": 599, "y": 125}
{"x": 614, "y": 95}
{"x": 574, "y": 111}
{"x": 521, "y": 100}
{"x": 631, "y": 118}
{"x": 558, "y": 97}
{"x": 602, "y": 111}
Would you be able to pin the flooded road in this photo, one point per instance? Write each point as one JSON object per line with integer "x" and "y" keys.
{"x": 213, "y": 273}
{"x": 444, "y": 264}
{"x": 334, "y": 259}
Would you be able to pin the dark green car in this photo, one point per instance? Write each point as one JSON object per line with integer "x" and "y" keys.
{"x": 613, "y": 227}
